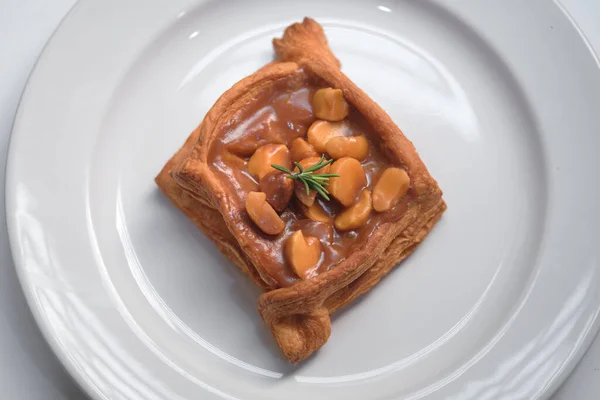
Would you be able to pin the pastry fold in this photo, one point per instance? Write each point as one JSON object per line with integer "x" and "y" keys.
{"x": 299, "y": 315}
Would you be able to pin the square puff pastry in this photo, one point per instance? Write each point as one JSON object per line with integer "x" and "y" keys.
{"x": 299, "y": 315}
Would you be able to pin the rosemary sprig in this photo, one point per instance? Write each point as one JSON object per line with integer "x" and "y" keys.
{"x": 316, "y": 182}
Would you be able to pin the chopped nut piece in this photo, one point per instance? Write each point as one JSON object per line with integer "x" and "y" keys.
{"x": 260, "y": 162}
{"x": 320, "y": 132}
{"x": 278, "y": 189}
{"x": 350, "y": 182}
{"x": 329, "y": 104}
{"x": 317, "y": 213}
{"x": 355, "y": 216}
{"x": 301, "y": 149}
{"x": 303, "y": 253}
{"x": 389, "y": 189}
{"x": 262, "y": 214}
{"x": 348, "y": 146}
{"x": 312, "y": 161}
{"x": 304, "y": 198}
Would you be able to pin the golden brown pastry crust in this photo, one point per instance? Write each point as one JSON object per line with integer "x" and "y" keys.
{"x": 298, "y": 316}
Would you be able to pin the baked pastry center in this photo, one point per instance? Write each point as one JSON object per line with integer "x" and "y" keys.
{"x": 281, "y": 126}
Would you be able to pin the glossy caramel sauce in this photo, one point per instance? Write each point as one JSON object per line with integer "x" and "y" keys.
{"x": 279, "y": 115}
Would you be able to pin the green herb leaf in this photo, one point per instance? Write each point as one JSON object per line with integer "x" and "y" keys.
{"x": 281, "y": 168}
{"x": 309, "y": 179}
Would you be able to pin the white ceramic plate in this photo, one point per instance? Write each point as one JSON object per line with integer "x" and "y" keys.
{"x": 500, "y": 98}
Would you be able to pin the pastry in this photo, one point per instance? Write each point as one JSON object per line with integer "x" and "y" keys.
{"x": 307, "y": 185}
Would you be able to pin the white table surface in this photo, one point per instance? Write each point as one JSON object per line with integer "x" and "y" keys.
{"x": 28, "y": 368}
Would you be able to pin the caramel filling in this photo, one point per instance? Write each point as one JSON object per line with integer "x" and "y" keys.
{"x": 278, "y": 116}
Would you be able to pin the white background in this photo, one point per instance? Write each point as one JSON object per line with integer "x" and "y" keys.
{"x": 28, "y": 369}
